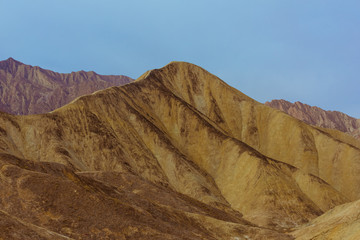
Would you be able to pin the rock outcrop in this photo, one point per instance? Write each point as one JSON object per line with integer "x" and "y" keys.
{"x": 27, "y": 90}
{"x": 176, "y": 154}
{"x": 319, "y": 117}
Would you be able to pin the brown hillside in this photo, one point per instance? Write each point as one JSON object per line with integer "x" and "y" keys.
{"x": 177, "y": 154}
{"x": 342, "y": 222}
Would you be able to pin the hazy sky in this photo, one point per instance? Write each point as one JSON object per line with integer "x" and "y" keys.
{"x": 298, "y": 50}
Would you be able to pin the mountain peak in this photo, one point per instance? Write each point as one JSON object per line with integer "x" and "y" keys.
{"x": 10, "y": 64}
{"x": 173, "y": 71}
{"x": 180, "y": 73}
{"x": 181, "y": 64}
{"x": 11, "y": 60}
{"x": 180, "y": 153}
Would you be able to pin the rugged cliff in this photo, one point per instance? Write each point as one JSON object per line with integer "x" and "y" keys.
{"x": 177, "y": 154}
{"x": 26, "y": 89}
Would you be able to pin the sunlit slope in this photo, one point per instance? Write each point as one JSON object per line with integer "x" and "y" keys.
{"x": 332, "y": 157}
{"x": 183, "y": 128}
{"x": 340, "y": 223}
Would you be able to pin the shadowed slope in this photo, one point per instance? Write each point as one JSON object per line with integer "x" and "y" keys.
{"x": 15, "y": 229}
{"x": 60, "y": 203}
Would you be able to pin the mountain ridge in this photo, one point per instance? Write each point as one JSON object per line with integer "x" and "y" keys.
{"x": 25, "y": 89}
{"x": 175, "y": 135}
{"x": 318, "y": 117}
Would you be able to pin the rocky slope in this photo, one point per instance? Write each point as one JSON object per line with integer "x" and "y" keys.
{"x": 342, "y": 222}
{"x": 319, "y": 117}
{"x": 177, "y": 154}
{"x": 26, "y": 89}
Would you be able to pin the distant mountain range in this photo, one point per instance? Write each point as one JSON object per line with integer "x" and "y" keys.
{"x": 319, "y": 117}
{"x": 176, "y": 154}
{"x": 25, "y": 89}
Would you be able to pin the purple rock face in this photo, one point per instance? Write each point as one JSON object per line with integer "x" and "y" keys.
{"x": 319, "y": 117}
{"x": 27, "y": 90}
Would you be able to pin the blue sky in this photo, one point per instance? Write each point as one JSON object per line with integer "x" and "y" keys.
{"x": 306, "y": 51}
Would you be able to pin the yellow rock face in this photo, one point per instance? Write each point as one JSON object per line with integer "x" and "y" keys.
{"x": 186, "y": 131}
{"x": 270, "y": 132}
{"x": 342, "y": 222}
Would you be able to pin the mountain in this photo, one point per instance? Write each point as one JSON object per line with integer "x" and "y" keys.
{"x": 176, "y": 154}
{"x": 342, "y": 222}
{"x": 27, "y": 90}
{"x": 319, "y": 117}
